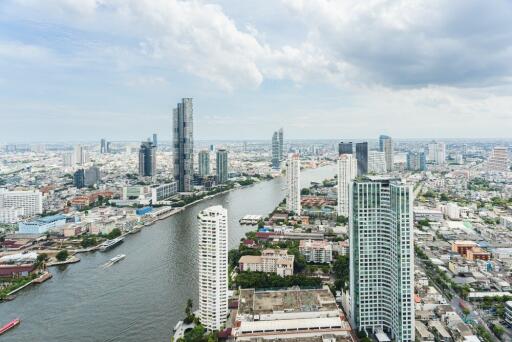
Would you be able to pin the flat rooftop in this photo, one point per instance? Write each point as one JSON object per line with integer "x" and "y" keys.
{"x": 254, "y": 302}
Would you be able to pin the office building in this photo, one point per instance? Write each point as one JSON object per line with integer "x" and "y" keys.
{"x": 86, "y": 177}
{"x": 147, "y": 159}
{"x": 30, "y": 201}
{"x": 163, "y": 191}
{"x": 183, "y": 145}
{"x": 280, "y": 136}
{"x": 11, "y": 214}
{"x": 293, "y": 188}
{"x": 377, "y": 162}
{"x": 155, "y": 140}
{"x": 103, "y": 146}
{"x": 222, "y": 166}
{"x": 213, "y": 267}
{"x": 416, "y": 161}
{"x": 345, "y": 148}
{"x": 347, "y": 171}
{"x": 276, "y": 261}
{"x": 276, "y": 161}
{"x": 204, "y": 163}
{"x": 498, "y": 160}
{"x": 79, "y": 156}
{"x": 316, "y": 251}
{"x": 293, "y": 314}
{"x": 41, "y": 225}
{"x": 381, "y": 257}
{"x": 386, "y": 146}
{"x": 362, "y": 158}
{"x": 109, "y": 149}
{"x": 437, "y": 152}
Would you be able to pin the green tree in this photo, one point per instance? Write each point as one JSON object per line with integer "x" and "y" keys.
{"x": 189, "y": 315}
{"x": 62, "y": 255}
{"x": 341, "y": 269}
{"x": 114, "y": 233}
{"x": 41, "y": 259}
{"x": 305, "y": 192}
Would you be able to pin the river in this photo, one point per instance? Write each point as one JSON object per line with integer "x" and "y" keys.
{"x": 142, "y": 297}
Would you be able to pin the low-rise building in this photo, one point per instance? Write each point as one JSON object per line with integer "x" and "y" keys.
{"x": 271, "y": 260}
{"x": 41, "y": 225}
{"x": 319, "y": 252}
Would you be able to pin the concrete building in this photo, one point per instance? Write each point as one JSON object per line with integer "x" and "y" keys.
{"x": 437, "y": 152}
{"x": 452, "y": 211}
{"x": 319, "y": 252}
{"x": 147, "y": 159}
{"x": 30, "y": 201}
{"x": 222, "y": 166}
{"x": 10, "y": 215}
{"x": 276, "y": 261}
{"x": 293, "y": 315}
{"x": 498, "y": 160}
{"x": 280, "y": 138}
{"x": 381, "y": 257}
{"x": 213, "y": 267}
{"x": 293, "y": 184}
{"x": 508, "y": 313}
{"x": 163, "y": 191}
{"x": 183, "y": 145}
{"x": 79, "y": 156}
{"x": 362, "y": 158}
{"x": 41, "y": 225}
{"x": 204, "y": 163}
{"x": 377, "y": 162}
{"x": 347, "y": 171}
{"x": 416, "y": 161}
{"x": 345, "y": 148}
{"x": 83, "y": 178}
{"x": 386, "y": 146}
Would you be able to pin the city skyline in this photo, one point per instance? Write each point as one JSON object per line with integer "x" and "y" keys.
{"x": 59, "y": 59}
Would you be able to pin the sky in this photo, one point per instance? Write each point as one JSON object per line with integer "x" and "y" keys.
{"x": 75, "y": 70}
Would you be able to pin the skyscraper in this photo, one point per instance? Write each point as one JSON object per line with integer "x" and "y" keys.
{"x": 498, "y": 160}
{"x": 437, "y": 152}
{"x": 79, "y": 155}
{"x": 345, "y": 148}
{"x": 381, "y": 257}
{"x": 155, "y": 140}
{"x": 86, "y": 177}
{"x": 362, "y": 158}
{"x": 183, "y": 145}
{"x": 280, "y": 136}
{"x": 103, "y": 146}
{"x": 377, "y": 162}
{"x": 213, "y": 267}
{"x": 347, "y": 171}
{"x": 293, "y": 182}
{"x": 416, "y": 161}
{"x": 222, "y": 166}
{"x": 276, "y": 161}
{"x": 204, "y": 163}
{"x": 147, "y": 159}
{"x": 386, "y": 146}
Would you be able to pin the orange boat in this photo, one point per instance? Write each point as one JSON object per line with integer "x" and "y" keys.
{"x": 12, "y": 324}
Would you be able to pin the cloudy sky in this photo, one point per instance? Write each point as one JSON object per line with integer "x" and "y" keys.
{"x": 85, "y": 69}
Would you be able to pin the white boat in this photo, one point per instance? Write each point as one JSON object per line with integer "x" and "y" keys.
{"x": 117, "y": 258}
{"x": 105, "y": 246}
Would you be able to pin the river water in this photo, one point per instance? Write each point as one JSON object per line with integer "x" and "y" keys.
{"x": 142, "y": 297}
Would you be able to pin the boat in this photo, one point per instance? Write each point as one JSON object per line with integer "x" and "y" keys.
{"x": 105, "y": 246}
{"x": 12, "y": 324}
{"x": 117, "y": 258}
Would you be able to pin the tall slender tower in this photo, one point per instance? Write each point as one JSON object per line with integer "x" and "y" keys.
{"x": 280, "y": 136}
{"x": 276, "y": 161}
{"x": 222, "y": 166}
{"x": 204, "y": 163}
{"x": 213, "y": 267}
{"x": 183, "y": 145}
{"x": 293, "y": 178}
{"x": 347, "y": 171}
{"x": 362, "y": 158}
{"x": 386, "y": 146}
{"x": 147, "y": 159}
{"x": 381, "y": 257}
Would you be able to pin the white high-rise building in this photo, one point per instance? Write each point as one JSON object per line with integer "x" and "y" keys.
{"x": 382, "y": 257}
{"x": 30, "y": 201}
{"x": 437, "y": 152}
{"x": 498, "y": 161}
{"x": 79, "y": 156}
{"x": 377, "y": 162}
{"x": 213, "y": 267}
{"x": 347, "y": 171}
{"x": 386, "y": 146}
{"x": 293, "y": 175}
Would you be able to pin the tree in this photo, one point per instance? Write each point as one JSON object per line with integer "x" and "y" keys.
{"x": 341, "y": 269}
{"x": 343, "y": 220}
{"x": 189, "y": 315}
{"x": 498, "y": 330}
{"x": 114, "y": 233}
{"x": 305, "y": 192}
{"x": 62, "y": 255}
{"x": 41, "y": 259}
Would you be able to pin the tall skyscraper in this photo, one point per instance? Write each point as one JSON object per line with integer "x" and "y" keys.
{"x": 204, "y": 163}
{"x": 498, "y": 160}
{"x": 109, "y": 150}
{"x": 416, "y": 161}
{"x": 362, "y": 158}
{"x": 381, "y": 257}
{"x": 276, "y": 161}
{"x": 183, "y": 145}
{"x": 347, "y": 171}
{"x": 437, "y": 152}
{"x": 79, "y": 155}
{"x": 213, "y": 267}
{"x": 280, "y": 136}
{"x": 345, "y": 148}
{"x": 86, "y": 177}
{"x": 386, "y": 146}
{"x": 222, "y": 166}
{"x": 376, "y": 162}
{"x": 293, "y": 182}
{"x": 103, "y": 146}
{"x": 155, "y": 140}
{"x": 147, "y": 159}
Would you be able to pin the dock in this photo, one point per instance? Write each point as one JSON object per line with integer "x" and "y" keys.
{"x": 251, "y": 219}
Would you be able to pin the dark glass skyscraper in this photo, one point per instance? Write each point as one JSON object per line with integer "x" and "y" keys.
{"x": 103, "y": 146}
{"x": 362, "y": 158}
{"x": 155, "y": 140}
{"x": 183, "y": 145}
{"x": 345, "y": 148}
{"x": 222, "y": 166}
{"x": 86, "y": 177}
{"x": 147, "y": 159}
{"x": 276, "y": 161}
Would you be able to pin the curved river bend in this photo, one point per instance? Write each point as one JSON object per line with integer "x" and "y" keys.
{"x": 142, "y": 297}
